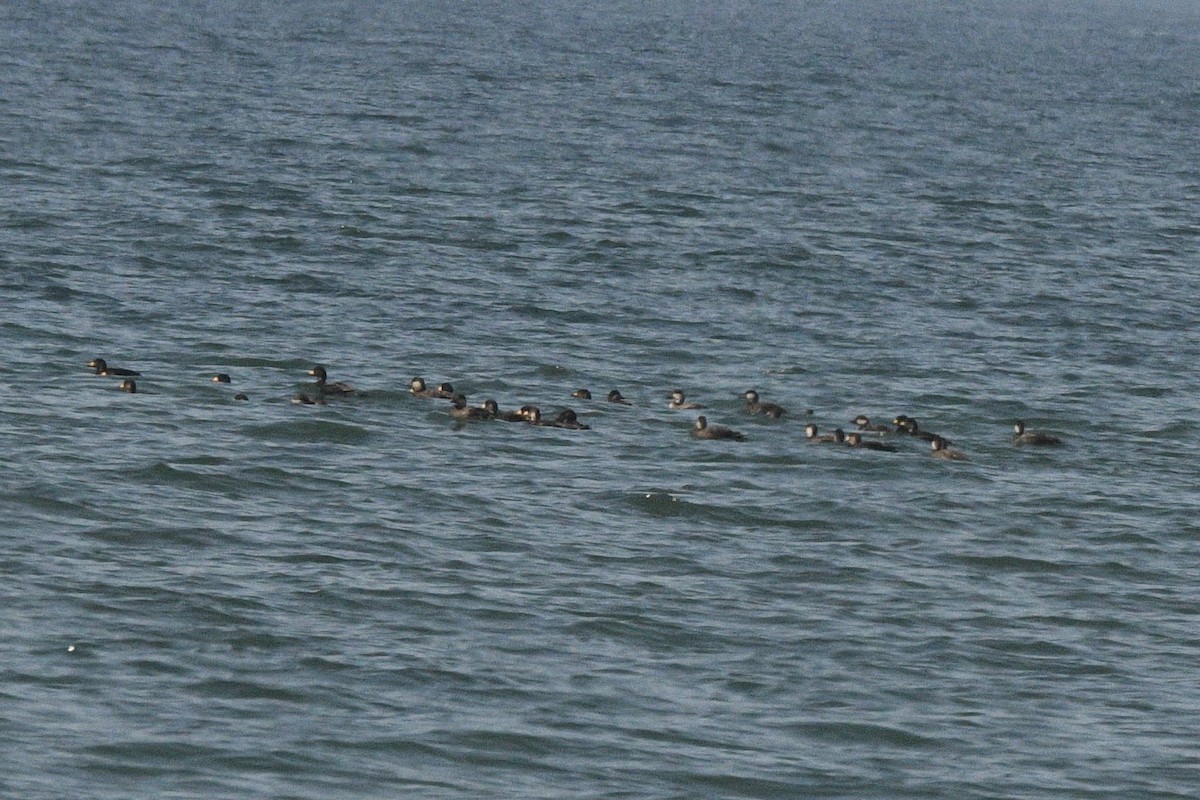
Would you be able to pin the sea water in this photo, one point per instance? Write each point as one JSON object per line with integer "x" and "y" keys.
{"x": 968, "y": 214}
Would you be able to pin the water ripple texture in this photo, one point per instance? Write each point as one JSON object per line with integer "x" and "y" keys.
{"x": 965, "y": 215}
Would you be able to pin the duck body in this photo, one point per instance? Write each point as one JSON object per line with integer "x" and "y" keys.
{"x": 419, "y": 389}
{"x": 855, "y": 439}
{"x": 680, "y": 403}
{"x": 492, "y": 408}
{"x": 615, "y": 397}
{"x": 567, "y": 418}
{"x": 909, "y": 426}
{"x": 1022, "y": 436}
{"x": 102, "y": 368}
{"x": 324, "y": 387}
{"x": 533, "y": 416}
{"x": 702, "y": 430}
{"x": 939, "y": 449}
{"x": 864, "y": 424}
{"x": 460, "y": 410}
{"x": 581, "y": 394}
{"x": 813, "y": 436}
{"x": 755, "y": 406}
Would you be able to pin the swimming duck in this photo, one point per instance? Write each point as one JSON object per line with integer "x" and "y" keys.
{"x": 128, "y": 385}
{"x": 679, "y": 403}
{"x": 581, "y": 394}
{"x": 863, "y": 423}
{"x": 939, "y": 449}
{"x": 753, "y": 406}
{"x": 102, "y": 368}
{"x": 909, "y": 425}
{"x": 855, "y": 439}
{"x": 567, "y": 418}
{"x": 1022, "y": 436}
{"x": 221, "y": 377}
{"x": 615, "y": 397}
{"x": 418, "y": 388}
{"x": 324, "y": 387}
{"x": 533, "y": 415}
{"x": 460, "y": 410}
{"x": 702, "y": 430}
{"x": 814, "y": 437}
{"x": 492, "y": 408}
{"x": 241, "y": 396}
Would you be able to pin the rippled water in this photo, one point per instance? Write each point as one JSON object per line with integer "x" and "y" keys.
{"x": 966, "y": 215}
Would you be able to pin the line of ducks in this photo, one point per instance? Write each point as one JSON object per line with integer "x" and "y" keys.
{"x": 567, "y": 418}
{"x": 940, "y": 446}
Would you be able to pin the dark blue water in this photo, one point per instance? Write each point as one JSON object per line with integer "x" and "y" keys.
{"x": 968, "y": 215}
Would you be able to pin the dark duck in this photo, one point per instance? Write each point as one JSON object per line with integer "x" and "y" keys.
{"x": 324, "y": 387}
{"x": 702, "y": 430}
{"x": 102, "y": 368}
{"x": 756, "y": 406}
